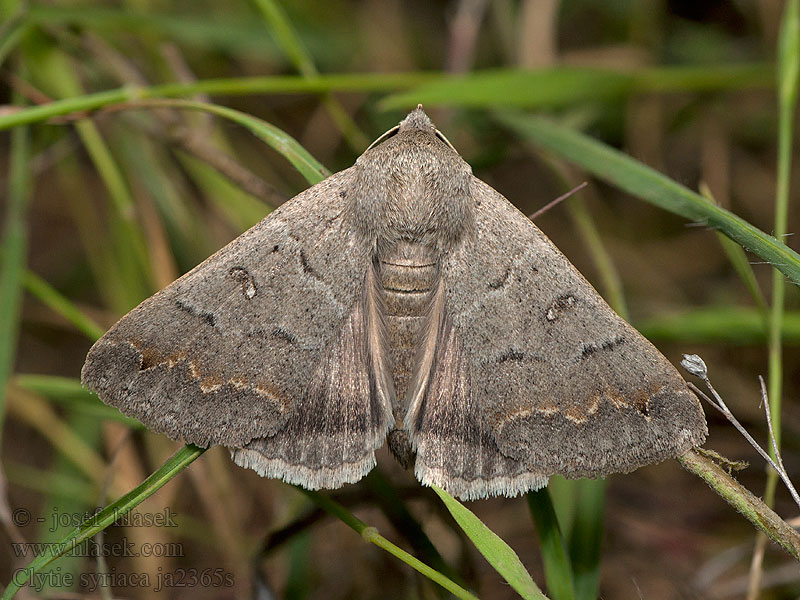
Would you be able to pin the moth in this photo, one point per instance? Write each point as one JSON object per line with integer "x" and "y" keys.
{"x": 401, "y": 298}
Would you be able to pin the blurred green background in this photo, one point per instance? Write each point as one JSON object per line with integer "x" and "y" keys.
{"x": 101, "y": 209}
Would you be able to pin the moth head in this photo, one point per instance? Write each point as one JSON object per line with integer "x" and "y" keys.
{"x": 416, "y": 121}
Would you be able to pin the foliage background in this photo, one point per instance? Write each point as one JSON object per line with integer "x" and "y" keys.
{"x": 123, "y": 203}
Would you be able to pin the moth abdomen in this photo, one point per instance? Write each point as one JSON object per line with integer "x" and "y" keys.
{"x": 408, "y": 273}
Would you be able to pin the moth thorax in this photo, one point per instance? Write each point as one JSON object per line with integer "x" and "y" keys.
{"x": 420, "y": 191}
{"x": 408, "y": 273}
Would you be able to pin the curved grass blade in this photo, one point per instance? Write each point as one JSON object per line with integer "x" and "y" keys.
{"x": 64, "y": 486}
{"x": 499, "y": 554}
{"x": 286, "y": 145}
{"x": 179, "y": 461}
{"x": 370, "y": 534}
{"x": 557, "y": 566}
{"x": 648, "y": 184}
{"x": 392, "y": 506}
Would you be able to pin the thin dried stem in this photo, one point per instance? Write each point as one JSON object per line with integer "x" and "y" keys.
{"x": 768, "y": 413}
{"x": 553, "y": 203}
{"x": 743, "y": 500}
{"x": 695, "y": 365}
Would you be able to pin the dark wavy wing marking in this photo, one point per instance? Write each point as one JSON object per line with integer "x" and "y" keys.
{"x": 564, "y": 384}
{"x": 225, "y": 354}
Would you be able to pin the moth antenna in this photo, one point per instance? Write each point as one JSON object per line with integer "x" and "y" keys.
{"x": 393, "y": 131}
{"x": 442, "y": 137}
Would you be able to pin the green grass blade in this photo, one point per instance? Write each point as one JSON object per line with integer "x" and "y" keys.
{"x": 738, "y": 259}
{"x": 563, "y": 496}
{"x": 237, "y": 207}
{"x": 371, "y": 535}
{"x": 557, "y": 566}
{"x": 155, "y": 175}
{"x": 788, "y": 74}
{"x": 300, "y": 576}
{"x": 539, "y": 88}
{"x": 554, "y": 87}
{"x": 14, "y": 248}
{"x": 392, "y": 506}
{"x": 56, "y": 108}
{"x": 89, "y": 528}
{"x": 90, "y": 229}
{"x": 61, "y": 305}
{"x": 499, "y": 554}
{"x": 129, "y": 245}
{"x": 52, "y": 385}
{"x": 789, "y": 59}
{"x": 789, "y": 66}
{"x": 648, "y": 184}
{"x": 291, "y": 84}
{"x": 718, "y": 325}
{"x": 69, "y": 392}
{"x": 48, "y": 481}
{"x": 286, "y": 145}
{"x": 585, "y": 544}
